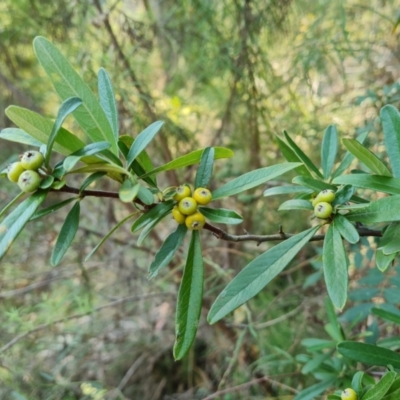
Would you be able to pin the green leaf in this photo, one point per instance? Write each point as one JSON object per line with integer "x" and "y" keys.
{"x": 313, "y": 391}
{"x": 128, "y": 191}
{"x": 221, "y": 215}
{"x": 107, "y": 100}
{"x": 51, "y": 209}
{"x": 150, "y": 226}
{"x": 378, "y": 183}
{"x": 390, "y": 119}
{"x": 336, "y": 332}
{"x": 19, "y": 136}
{"x": 369, "y": 159}
{"x": 152, "y": 214}
{"x": 13, "y": 224}
{"x": 256, "y": 275}
{"x": 382, "y": 210}
{"x": 346, "y": 229}
{"x": 387, "y": 315}
{"x": 312, "y": 183}
{"x": 90, "y": 149}
{"x": 68, "y": 83}
{"x": 369, "y": 354}
{"x": 329, "y": 149}
{"x": 142, "y": 140}
{"x": 335, "y": 267}
{"x": 146, "y": 196}
{"x": 303, "y": 157}
{"x": 11, "y": 203}
{"x": 168, "y": 249}
{"x": 46, "y": 182}
{"x": 356, "y": 382}
{"x": 291, "y": 156}
{"x": 67, "y": 107}
{"x": 348, "y": 157}
{"x": 40, "y": 129}
{"x": 252, "y": 179}
{"x": 205, "y": 169}
{"x": 296, "y": 205}
{"x": 189, "y": 299}
{"x": 382, "y": 260}
{"x": 390, "y": 241}
{"x": 381, "y": 388}
{"x": 189, "y": 159}
{"x": 287, "y": 189}
{"x": 106, "y": 237}
{"x": 343, "y": 195}
{"x": 90, "y": 179}
{"x": 392, "y": 395}
{"x": 67, "y": 234}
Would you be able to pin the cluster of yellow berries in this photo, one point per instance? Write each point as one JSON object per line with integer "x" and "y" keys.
{"x": 322, "y": 204}
{"x": 185, "y": 211}
{"x": 24, "y": 172}
{"x": 348, "y": 394}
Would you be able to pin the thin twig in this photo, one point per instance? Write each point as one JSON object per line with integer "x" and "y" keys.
{"x": 112, "y": 304}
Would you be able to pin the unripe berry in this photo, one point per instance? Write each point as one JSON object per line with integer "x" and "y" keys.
{"x": 182, "y": 192}
{"x": 326, "y": 195}
{"x": 202, "y": 195}
{"x": 29, "y": 181}
{"x": 178, "y": 216}
{"x": 187, "y": 206}
{"x": 195, "y": 221}
{"x": 348, "y": 394}
{"x": 323, "y": 210}
{"x": 14, "y": 170}
{"x": 32, "y": 160}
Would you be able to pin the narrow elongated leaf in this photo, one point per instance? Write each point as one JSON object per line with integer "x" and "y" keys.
{"x": 296, "y": 204}
{"x": 287, "y": 189}
{"x": 51, "y": 209}
{"x": 252, "y": 179}
{"x": 312, "y": 183}
{"x": 382, "y": 260}
{"x": 151, "y": 215}
{"x": 369, "y": 159}
{"x": 390, "y": 119}
{"x": 335, "y": 267}
{"x": 382, "y": 210}
{"x": 313, "y": 391}
{"x": 67, "y": 107}
{"x": 395, "y": 395}
{"x": 221, "y": 215}
{"x": 88, "y": 150}
{"x": 381, "y": 388}
{"x": 67, "y": 234}
{"x": 346, "y": 229}
{"x": 369, "y": 354}
{"x": 68, "y": 83}
{"x": 106, "y": 237}
{"x": 150, "y": 226}
{"x": 336, "y": 332}
{"x": 107, "y": 100}
{"x": 303, "y": 157}
{"x": 329, "y": 150}
{"x": 256, "y": 275}
{"x": 190, "y": 298}
{"x": 205, "y": 169}
{"x": 13, "y": 224}
{"x": 343, "y": 195}
{"x": 90, "y": 179}
{"x": 291, "y": 156}
{"x": 168, "y": 249}
{"x": 386, "y": 315}
{"x": 19, "y": 136}
{"x": 348, "y": 157}
{"x": 356, "y": 382}
{"x": 142, "y": 140}
{"x": 40, "y": 129}
{"x": 189, "y": 159}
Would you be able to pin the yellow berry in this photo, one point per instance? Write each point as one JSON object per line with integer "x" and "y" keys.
{"x": 32, "y": 160}
{"x": 323, "y": 210}
{"x": 178, "y": 216}
{"x": 182, "y": 192}
{"x": 348, "y": 394}
{"x": 14, "y": 170}
{"x": 187, "y": 205}
{"x": 195, "y": 221}
{"x": 202, "y": 195}
{"x": 326, "y": 195}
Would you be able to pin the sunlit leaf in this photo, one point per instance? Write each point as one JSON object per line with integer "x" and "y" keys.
{"x": 19, "y": 136}
{"x": 296, "y": 204}
{"x": 287, "y": 189}
{"x": 90, "y": 149}
{"x": 221, "y": 215}
{"x": 329, "y": 150}
{"x": 128, "y": 191}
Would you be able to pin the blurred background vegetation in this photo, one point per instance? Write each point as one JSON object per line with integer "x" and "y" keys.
{"x": 228, "y": 73}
